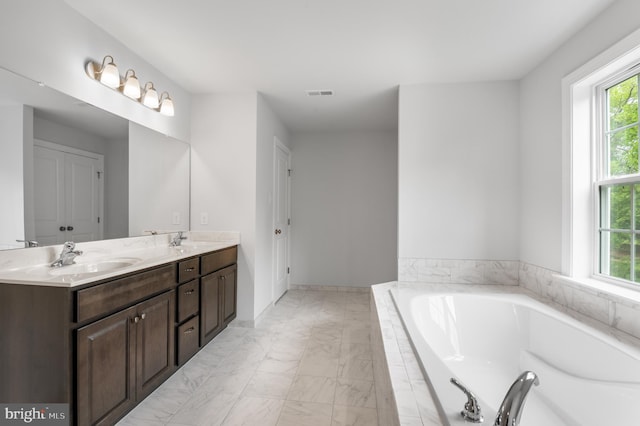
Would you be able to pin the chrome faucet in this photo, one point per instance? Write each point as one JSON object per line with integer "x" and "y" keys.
{"x": 67, "y": 255}
{"x": 28, "y": 243}
{"x": 177, "y": 239}
{"x": 511, "y": 408}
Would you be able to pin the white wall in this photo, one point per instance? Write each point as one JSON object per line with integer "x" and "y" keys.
{"x": 158, "y": 182}
{"x": 223, "y": 178}
{"x": 541, "y": 132}
{"x": 49, "y": 41}
{"x": 50, "y": 131}
{"x": 268, "y": 126}
{"x": 458, "y": 171}
{"x": 12, "y": 176}
{"x": 344, "y": 200}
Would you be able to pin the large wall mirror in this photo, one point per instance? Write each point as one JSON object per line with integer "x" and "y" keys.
{"x": 72, "y": 172}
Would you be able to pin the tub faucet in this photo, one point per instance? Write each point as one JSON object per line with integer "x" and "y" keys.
{"x": 177, "y": 239}
{"x": 511, "y": 408}
{"x": 67, "y": 255}
{"x": 471, "y": 410}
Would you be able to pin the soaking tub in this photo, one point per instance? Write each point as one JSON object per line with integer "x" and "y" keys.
{"x": 485, "y": 340}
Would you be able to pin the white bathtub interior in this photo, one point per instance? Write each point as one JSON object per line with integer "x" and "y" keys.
{"x": 486, "y": 340}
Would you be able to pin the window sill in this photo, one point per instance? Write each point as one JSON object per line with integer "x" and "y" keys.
{"x": 603, "y": 288}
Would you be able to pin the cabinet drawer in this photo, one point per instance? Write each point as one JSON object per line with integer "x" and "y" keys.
{"x": 188, "y": 270}
{"x": 188, "y": 334}
{"x": 219, "y": 259}
{"x": 188, "y": 300}
{"x": 104, "y": 298}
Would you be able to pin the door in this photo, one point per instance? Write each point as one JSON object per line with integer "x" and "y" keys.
{"x": 229, "y": 287}
{"x": 106, "y": 369}
{"x": 281, "y": 219}
{"x": 68, "y": 188}
{"x": 210, "y": 321}
{"x": 155, "y": 342}
{"x": 49, "y": 199}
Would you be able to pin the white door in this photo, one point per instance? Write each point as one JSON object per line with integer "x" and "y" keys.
{"x": 48, "y": 186}
{"x": 68, "y": 194}
{"x": 281, "y": 219}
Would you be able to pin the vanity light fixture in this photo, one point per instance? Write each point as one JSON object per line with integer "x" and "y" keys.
{"x": 131, "y": 86}
{"x": 107, "y": 73}
{"x": 166, "y": 105}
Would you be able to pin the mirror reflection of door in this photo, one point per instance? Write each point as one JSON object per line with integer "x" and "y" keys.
{"x": 68, "y": 188}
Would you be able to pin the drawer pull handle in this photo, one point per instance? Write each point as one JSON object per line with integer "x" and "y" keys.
{"x": 190, "y": 269}
{"x": 188, "y": 292}
{"x": 189, "y": 330}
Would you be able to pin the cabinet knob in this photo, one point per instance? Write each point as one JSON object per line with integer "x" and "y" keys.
{"x": 135, "y": 319}
{"x": 143, "y": 316}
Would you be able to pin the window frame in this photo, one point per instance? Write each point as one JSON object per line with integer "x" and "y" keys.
{"x": 579, "y": 256}
{"x": 602, "y": 179}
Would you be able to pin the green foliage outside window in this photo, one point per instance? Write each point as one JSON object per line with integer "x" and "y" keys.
{"x": 622, "y": 201}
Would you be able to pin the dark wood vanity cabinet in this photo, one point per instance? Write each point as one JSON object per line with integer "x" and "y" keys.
{"x": 122, "y": 358}
{"x": 104, "y": 347}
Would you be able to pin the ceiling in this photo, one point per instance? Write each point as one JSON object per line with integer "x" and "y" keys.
{"x": 360, "y": 49}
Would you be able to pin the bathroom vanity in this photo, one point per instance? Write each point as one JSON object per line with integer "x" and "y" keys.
{"x": 102, "y": 342}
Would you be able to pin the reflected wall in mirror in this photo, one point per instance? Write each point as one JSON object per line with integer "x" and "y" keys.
{"x": 70, "y": 171}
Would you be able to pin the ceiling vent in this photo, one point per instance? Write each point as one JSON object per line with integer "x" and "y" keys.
{"x": 319, "y": 92}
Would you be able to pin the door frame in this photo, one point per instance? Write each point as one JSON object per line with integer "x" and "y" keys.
{"x": 98, "y": 157}
{"x": 277, "y": 144}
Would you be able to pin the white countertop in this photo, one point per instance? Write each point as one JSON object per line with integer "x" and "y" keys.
{"x": 31, "y": 266}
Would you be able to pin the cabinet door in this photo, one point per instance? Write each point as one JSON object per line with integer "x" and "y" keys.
{"x": 106, "y": 369}
{"x": 155, "y": 342}
{"x": 210, "y": 318}
{"x": 229, "y": 286}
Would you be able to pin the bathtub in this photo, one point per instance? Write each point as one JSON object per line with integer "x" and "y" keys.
{"x": 587, "y": 377}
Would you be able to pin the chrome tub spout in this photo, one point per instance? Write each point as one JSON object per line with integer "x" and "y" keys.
{"x": 511, "y": 408}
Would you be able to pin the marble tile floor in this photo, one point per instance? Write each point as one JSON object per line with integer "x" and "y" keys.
{"x": 307, "y": 363}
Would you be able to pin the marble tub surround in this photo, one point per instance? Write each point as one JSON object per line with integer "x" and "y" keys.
{"x": 402, "y": 394}
{"x": 454, "y": 271}
{"x": 613, "y": 306}
{"x": 618, "y": 308}
{"x": 308, "y": 362}
{"x": 31, "y": 266}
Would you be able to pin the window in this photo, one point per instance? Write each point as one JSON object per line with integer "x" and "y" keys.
{"x": 618, "y": 180}
{"x": 601, "y": 171}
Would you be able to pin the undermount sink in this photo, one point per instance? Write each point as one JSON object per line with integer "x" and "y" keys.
{"x": 94, "y": 267}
